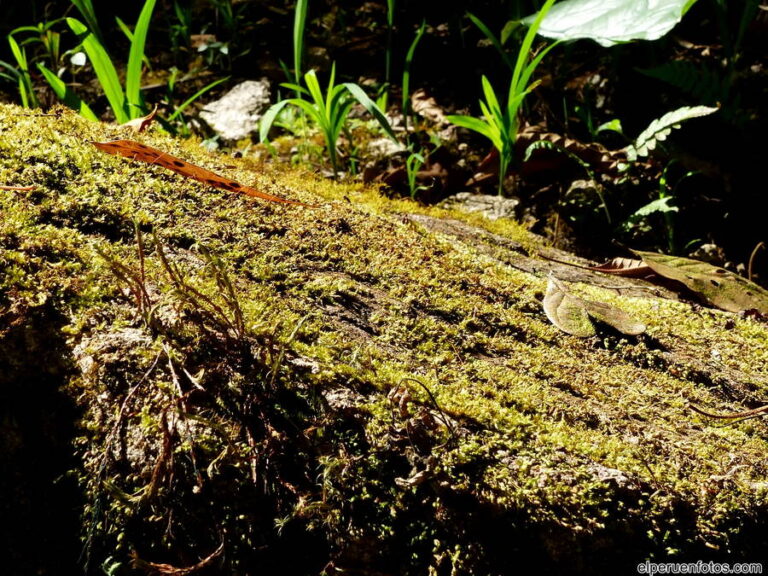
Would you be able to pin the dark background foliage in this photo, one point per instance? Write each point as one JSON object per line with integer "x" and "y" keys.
{"x": 583, "y": 85}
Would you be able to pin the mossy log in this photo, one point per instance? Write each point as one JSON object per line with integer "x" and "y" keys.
{"x": 194, "y": 381}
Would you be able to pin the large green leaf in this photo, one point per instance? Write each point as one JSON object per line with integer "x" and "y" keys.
{"x": 719, "y": 287}
{"x": 610, "y": 22}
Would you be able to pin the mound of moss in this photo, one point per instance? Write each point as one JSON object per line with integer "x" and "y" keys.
{"x": 192, "y": 379}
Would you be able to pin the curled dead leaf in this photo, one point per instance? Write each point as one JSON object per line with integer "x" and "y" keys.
{"x": 141, "y": 124}
{"x": 627, "y": 267}
{"x": 143, "y": 153}
{"x": 573, "y": 315}
{"x": 415, "y": 480}
{"x": 615, "y": 317}
{"x": 566, "y": 311}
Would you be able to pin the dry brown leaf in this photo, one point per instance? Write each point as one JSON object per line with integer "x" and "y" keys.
{"x": 616, "y": 317}
{"x": 144, "y": 153}
{"x": 628, "y": 267}
{"x": 572, "y": 314}
{"x": 566, "y": 311}
{"x": 427, "y": 107}
{"x": 141, "y": 124}
{"x": 718, "y": 286}
{"x": 197, "y": 41}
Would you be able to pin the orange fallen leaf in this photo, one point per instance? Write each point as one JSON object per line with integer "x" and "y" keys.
{"x": 144, "y": 153}
{"x": 141, "y": 124}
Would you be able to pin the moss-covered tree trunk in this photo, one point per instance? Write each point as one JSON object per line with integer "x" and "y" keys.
{"x": 199, "y": 380}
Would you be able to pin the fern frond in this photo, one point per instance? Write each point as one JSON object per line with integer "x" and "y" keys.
{"x": 659, "y": 129}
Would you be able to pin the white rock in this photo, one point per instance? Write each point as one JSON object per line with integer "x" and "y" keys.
{"x": 236, "y": 115}
{"x": 492, "y": 207}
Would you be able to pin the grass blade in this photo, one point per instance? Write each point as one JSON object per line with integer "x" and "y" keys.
{"x": 105, "y": 70}
{"x": 493, "y": 39}
{"x": 331, "y": 94}
{"x": 86, "y": 9}
{"x": 528, "y": 72}
{"x": 390, "y": 26}
{"x": 407, "y": 72}
{"x": 313, "y": 111}
{"x": 525, "y": 48}
{"x": 135, "y": 59}
{"x": 476, "y": 125}
{"x": 299, "y": 24}
{"x": 26, "y": 90}
{"x": 66, "y": 95}
{"x": 372, "y": 108}
{"x": 179, "y": 110}
{"x": 310, "y": 79}
{"x": 491, "y": 100}
{"x": 269, "y": 118}
{"x": 295, "y": 87}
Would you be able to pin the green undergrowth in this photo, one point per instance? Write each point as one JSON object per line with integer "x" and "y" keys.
{"x": 255, "y": 379}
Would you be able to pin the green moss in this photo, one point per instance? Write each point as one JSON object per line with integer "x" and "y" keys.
{"x": 227, "y": 413}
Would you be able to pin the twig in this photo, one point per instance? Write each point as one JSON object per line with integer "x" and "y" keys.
{"x": 169, "y": 570}
{"x": 736, "y": 415}
{"x": 183, "y": 409}
{"x": 565, "y": 262}
{"x": 18, "y": 188}
{"x": 752, "y": 258}
{"x": 443, "y": 415}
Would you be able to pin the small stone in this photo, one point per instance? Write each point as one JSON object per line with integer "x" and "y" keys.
{"x": 236, "y": 115}
{"x": 384, "y": 148}
{"x": 490, "y": 206}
